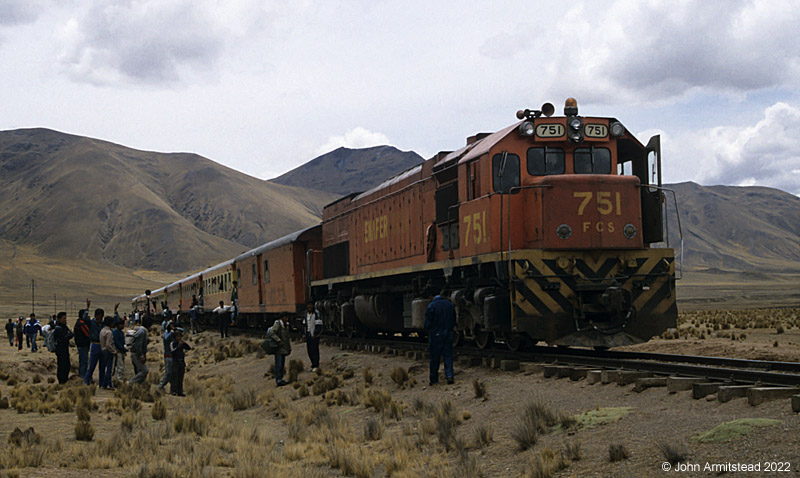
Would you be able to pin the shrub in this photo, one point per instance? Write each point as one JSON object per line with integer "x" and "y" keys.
{"x": 399, "y": 375}
{"x": 480, "y": 389}
{"x": 367, "y": 373}
{"x": 617, "y": 452}
{"x": 84, "y": 431}
{"x": 295, "y": 367}
{"x": 446, "y": 422}
{"x": 83, "y": 413}
{"x": 672, "y": 453}
{"x": 484, "y": 435}
{"x": 572, "y": 450}
{"x": 546, "y": 463}
{"x": 373, "y": 429}
{"x": 243, "y": 399}
{"x": 159, "y": 411}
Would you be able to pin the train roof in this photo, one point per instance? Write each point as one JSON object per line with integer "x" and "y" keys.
{"x": 281, "y": 241}
{"x": 477, "y": 148}
{"x": 393, "y": 180}
{"x": 468, "y": 152}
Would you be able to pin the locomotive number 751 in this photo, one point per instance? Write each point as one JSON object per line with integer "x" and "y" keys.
{"x": 475, "y": 226}
{"x": 604, "y": 204}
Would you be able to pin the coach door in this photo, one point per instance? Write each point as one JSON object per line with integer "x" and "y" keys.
{"x": 260, "y": 279}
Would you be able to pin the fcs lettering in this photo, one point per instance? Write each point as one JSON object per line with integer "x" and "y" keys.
{"x": 598, "y": 226}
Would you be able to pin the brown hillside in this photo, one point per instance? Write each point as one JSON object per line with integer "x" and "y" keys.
{"x": 728, "y": 228}
{"x": 75, "y": 197}
{"x": 344, "y": 171}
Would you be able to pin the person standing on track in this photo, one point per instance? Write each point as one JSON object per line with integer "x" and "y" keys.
{"x": 62, "y": 336}
{"x": 20, "y": 327}
{"x": 118, "y": 370}
{"x": 222, "y": 319}
{"x": 279, "y": 332}
{"x": 440, "y": 320}
{"x": 139, "y": 353}
{"x": 82, "y": 339}
{"x": 10, "y": 332}
{"x": 312, "y": 326}
{"x": 168, "y": 337}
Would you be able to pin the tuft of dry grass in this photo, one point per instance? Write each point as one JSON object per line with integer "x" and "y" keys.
{"x": 480, "y": 389}
{"x": 373, "y": 429}
{"x": 446, "y": 421}
{"x": 83, "y": 413}
{"x": 484, "y": 435}
{"x": 546, "y": 463}
{"x": 572, "y": 450}
{"x": 159, "y": 410}
{"x": 399, "y": 375}
{"x": 673, "y": 454}
{"x": 368, "y": 377}
{"x": 617, "y": 452}
{"x": 295, "y": 367}
{"x": 84, "y": 431}
{"x": 243, "y": 399}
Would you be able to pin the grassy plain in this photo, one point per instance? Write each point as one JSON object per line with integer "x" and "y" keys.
{"x": 372, "y": 415}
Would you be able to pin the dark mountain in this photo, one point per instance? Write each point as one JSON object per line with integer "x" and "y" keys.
{"x": 74, "y": 197}
{"x": 344, "y": 170}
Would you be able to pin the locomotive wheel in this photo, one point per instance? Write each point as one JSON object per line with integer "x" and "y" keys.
{"x": 484, "y": 339}
{"x": 457, "y": 338}
{"x": 515, "y": 342}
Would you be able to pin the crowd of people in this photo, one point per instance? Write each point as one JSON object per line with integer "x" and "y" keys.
{"x": 102, "y": 344}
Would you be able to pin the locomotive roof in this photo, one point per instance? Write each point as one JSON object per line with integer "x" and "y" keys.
{"x": 468, "y": 152}
{"x": 393, "y": 180}
{"x": 482, "y": 146}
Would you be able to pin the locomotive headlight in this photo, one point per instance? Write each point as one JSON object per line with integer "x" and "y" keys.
{"x": 576, "y": 137}
{"x": 575, "y": 124}
{"x": 563, "y": 231}
{"x": 629, "y": 230}
{"x": 526, "y": 129}
{"x": 617, "y": 129}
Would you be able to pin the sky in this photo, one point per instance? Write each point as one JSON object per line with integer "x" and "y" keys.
{"x": 264, "y": 86}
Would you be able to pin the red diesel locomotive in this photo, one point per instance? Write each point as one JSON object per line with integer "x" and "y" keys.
{"x": 545, "y": 230}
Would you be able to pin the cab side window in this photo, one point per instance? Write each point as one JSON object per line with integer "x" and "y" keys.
{"x": 505, "y": 172}
{"x": 592, "y": 161}
{"x": 545, "y": 161}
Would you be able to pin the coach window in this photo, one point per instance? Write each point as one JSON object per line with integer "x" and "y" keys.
{"x": 545, "y": 161}
{"x": 592, "y": 161}
{"x": 255, "y": 278}
{"x": 505, "y": 172}
{"x": 266, "y": 272}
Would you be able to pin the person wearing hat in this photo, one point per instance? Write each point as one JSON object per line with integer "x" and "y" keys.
{"x": 178, "y": 349}
{"x": 168, "y": 338}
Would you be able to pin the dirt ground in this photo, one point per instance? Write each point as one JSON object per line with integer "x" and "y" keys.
{"x": 348, "y": 422}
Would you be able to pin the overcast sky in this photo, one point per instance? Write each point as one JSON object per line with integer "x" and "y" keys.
{"x": 263, "y": 86}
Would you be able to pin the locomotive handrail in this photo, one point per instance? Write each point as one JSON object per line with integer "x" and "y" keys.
{"x": 677, "y": 216}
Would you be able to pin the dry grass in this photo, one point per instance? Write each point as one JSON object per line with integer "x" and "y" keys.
{"x": 484, "y": 435}
{"x": 673, "y": 454}
{"x": 538, "y": 419}
{"x": 546, "y": 463}
{"x": 84, "y": 431}
{"x": 159, "y": 410}
{"x": 617, "y": 452}
{"x": 479, "y": 388}
{"x": 243, "y": 399}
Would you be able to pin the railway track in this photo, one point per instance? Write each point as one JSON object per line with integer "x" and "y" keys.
{"x": 758, "y": 380}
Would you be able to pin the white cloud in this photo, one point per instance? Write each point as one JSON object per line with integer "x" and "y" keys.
{"x": 157, "y": 41}
{"x": 357, "y": 137}
{"x": 650, "y": 51}
{"x": 766, "y": 153}
{"x": 19, "y": 12}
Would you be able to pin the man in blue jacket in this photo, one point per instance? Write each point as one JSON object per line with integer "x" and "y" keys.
{"x": 440, "y": 320}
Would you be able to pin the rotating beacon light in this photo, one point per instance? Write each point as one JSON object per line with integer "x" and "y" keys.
{"x": 574, "y": 123}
